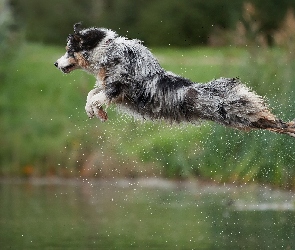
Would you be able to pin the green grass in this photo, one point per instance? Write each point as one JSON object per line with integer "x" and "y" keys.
{"x": 202, "y": 64}
{"x": 45, "y": 129}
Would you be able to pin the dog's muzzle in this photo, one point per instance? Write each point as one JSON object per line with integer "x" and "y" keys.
{"x": 66, "y": 69}
{"x": 65, "y": 64}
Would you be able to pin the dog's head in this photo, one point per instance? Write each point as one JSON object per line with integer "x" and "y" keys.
{"x": 80, "y": 45}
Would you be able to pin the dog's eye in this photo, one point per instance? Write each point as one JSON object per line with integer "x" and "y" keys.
{"x": 71, "y": 53}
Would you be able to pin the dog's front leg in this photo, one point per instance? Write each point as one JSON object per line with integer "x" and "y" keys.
{"x": 91, "y": 94}
{"x": 98, "y": 87}
{"x": 88, "y": 106}
{"x": 95, "y": 99}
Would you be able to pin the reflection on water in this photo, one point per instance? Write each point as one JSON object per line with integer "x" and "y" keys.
{"x": 139, "y": 214}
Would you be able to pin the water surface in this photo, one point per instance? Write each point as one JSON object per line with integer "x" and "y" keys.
{"x": 143, "y": 214}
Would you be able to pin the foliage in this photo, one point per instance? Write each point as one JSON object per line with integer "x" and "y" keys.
{"x": 50, "y": 21}
{"x": 269, "y": 15}
{"x": 9, "y": 35}
{"x": 158, "y": 23}
{"x": 179, "y": 23}
{"x": 5, "y": 21}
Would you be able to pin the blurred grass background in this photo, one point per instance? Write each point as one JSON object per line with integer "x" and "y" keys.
{"x": 43, "y": 125}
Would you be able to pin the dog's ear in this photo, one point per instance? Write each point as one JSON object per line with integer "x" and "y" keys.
{"x": 91, "y": 38}
{"x": 77, "y": 27}
{"x": 73, "y": 43}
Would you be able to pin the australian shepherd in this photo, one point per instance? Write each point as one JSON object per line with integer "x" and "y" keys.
{"x": 129, "y": 76}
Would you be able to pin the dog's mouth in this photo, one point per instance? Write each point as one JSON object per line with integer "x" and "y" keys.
{"x": 68, "y": 68}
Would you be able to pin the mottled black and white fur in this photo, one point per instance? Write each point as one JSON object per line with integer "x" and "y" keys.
{"x": 128, "y": 75}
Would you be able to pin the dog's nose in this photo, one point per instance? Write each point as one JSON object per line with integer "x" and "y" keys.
{"x": 56, "y": 64}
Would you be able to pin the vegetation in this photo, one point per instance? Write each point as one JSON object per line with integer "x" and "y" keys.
{"x": 158, "y": 23}
{"x": 45, "y": 130}
{"x": 8, "y": 33}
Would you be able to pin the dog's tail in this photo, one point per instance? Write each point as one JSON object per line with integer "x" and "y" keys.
{"x": 290, "y": 130}
{"x": 279, "y": 126}
{"x": 264, "y": 119}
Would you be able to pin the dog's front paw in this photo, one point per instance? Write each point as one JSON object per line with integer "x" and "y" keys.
{"x": 102, "y": 115}
{"x": 94, "y": 107}
{"x": 89, "y": 110}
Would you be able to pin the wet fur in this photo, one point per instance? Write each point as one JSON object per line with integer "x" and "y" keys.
{"x": 129, "y": 76}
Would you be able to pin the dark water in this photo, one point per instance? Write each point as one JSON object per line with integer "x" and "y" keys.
{"x": 143, "y": 214}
